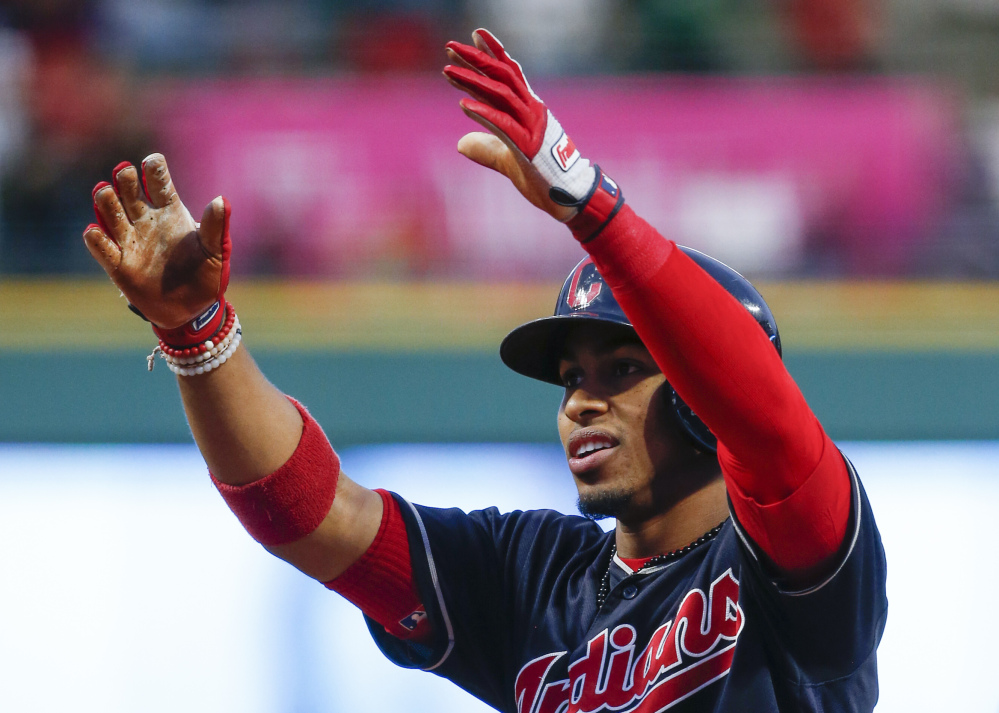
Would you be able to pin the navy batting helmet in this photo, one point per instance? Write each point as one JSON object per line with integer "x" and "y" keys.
{"x": 534, "y": 349}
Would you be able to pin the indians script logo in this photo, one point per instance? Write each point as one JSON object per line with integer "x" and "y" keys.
{"x": 565, "y": 152}
{"x": 682, "y": 657}
{"x": 577, "y": 297}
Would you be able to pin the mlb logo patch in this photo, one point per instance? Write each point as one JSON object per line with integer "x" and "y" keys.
{"x": 565, "y": 152}
{"x": 413, "y": 620}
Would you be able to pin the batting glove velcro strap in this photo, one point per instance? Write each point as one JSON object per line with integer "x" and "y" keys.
{"x": 596, "y": 209}
{"x": 203, "y": 327}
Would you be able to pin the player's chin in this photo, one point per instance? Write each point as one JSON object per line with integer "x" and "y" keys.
{"x": 598, "y": 503}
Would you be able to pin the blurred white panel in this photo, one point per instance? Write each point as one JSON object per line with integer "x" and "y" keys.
{"x": 936, "y": 509}
{"x": 128, "y": 586}
{"x": 128, "y": 582}
{"x": 985, "y": 136}
{"x": 753, "y": 221}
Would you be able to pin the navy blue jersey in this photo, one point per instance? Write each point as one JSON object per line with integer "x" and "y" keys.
{"x": 512, "y": 599}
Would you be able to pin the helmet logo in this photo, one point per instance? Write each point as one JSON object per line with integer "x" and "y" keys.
{"x": 581, "y": 299}
{"x": 577, "y": 297}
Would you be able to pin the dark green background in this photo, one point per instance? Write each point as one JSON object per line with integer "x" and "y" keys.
{"x": 378, "y": 397}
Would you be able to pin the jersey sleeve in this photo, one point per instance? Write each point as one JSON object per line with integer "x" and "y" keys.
{"x": 479, "y": 575}
{"x": 713, "y": 352}
{"x": 821, "y": 641}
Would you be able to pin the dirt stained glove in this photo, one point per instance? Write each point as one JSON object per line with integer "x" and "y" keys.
{"x": 172, "y": 270}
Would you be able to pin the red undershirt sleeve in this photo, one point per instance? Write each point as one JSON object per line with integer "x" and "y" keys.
{"x": 381, "y": 582}
{"x": 787, "y": 481}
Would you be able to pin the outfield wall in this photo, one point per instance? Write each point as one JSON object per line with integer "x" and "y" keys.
{"x": 369, "y": 397}
{"x": 418, "y": 362}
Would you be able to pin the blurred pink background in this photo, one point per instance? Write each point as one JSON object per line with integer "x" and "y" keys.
{"x": 812, "y": 138}
{"x": 358, "y": 177}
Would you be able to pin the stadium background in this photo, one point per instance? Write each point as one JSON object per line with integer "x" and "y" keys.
{"x": 845, "y": 155}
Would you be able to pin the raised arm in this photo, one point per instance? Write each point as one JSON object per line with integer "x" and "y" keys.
{"x": 785, "y": 478}
{"x": 268, "y": 457}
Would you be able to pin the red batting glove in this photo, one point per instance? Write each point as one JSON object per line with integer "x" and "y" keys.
{"x": 173, "y": 271}
{"x": 527, "y": 144}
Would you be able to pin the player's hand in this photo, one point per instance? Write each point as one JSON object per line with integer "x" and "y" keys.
{"x": 170, "y": 268}
{"x": 526, "y": 143}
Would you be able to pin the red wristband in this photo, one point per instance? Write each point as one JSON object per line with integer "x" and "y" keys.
{"x": 292, "y": 501}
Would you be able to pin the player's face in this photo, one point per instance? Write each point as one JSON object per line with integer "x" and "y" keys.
{"x": 623, "y": 447}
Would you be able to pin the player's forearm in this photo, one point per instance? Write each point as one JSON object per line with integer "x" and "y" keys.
{"x": 306, "y": 512}
{"x": 270, "y": 459}
{"x": 787, "y": 482}
{"x": 713, "y": 353}
{"x": 244, "y": 426}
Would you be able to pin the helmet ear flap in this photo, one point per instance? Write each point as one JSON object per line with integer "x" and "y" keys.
{"x": 693, "y": 427}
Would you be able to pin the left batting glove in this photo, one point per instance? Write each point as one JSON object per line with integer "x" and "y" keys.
{"x": 173, "y": 270}
{"x": 526, "y": 143}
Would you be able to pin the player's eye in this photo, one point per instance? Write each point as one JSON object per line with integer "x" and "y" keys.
{"x": 571, "y": 377}
{"x": 624, "y": 367}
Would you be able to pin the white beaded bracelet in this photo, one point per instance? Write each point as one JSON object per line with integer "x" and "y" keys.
{"x": 206, "y": 366}
{"x": 213, "y": 350}
{"x": 214, "y": 356}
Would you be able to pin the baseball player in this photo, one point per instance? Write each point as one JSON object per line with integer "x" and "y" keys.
{"x": 745, "y": 572}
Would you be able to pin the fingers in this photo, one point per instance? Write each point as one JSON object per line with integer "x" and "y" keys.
{"x": 213, "y": 227}
{"x": 111, "y": 215}
{"x": 471, "y": 91}
{"x": 479, "y": 61}
{"x": 215, "y": 223}
{"x": 490, "y": 151}
{"x": 103, "y": 249}
{"x": 157, "y": 182}
{"x": 487, "y": 42}
{"x": 126, "y": 185}
{"x": 455, "y": 58}
{"x": 500, "y": 124}
{"x": 489, "y": 90}
{"x": 486, "y": 150}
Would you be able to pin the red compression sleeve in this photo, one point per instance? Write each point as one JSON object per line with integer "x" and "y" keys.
{"x": 381, "y": 582}
{"x": 787, "y": 481}
{"x": 292, "y": 501}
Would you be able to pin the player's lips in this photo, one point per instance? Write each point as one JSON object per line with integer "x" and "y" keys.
{"x": 588, "y": 448}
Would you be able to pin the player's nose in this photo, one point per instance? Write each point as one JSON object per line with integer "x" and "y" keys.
{"x": 583, "y": 404}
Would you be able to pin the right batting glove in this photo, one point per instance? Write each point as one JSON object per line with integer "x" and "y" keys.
{"x": 527, "y": 144}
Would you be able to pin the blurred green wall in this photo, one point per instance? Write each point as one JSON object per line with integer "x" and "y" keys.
{"x": 386, "y": 363}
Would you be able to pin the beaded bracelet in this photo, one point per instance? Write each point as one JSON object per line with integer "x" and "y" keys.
{"x": 206, "y": 366}
{"x": 211, "y": 350}
{"x": 202, "y": 358}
